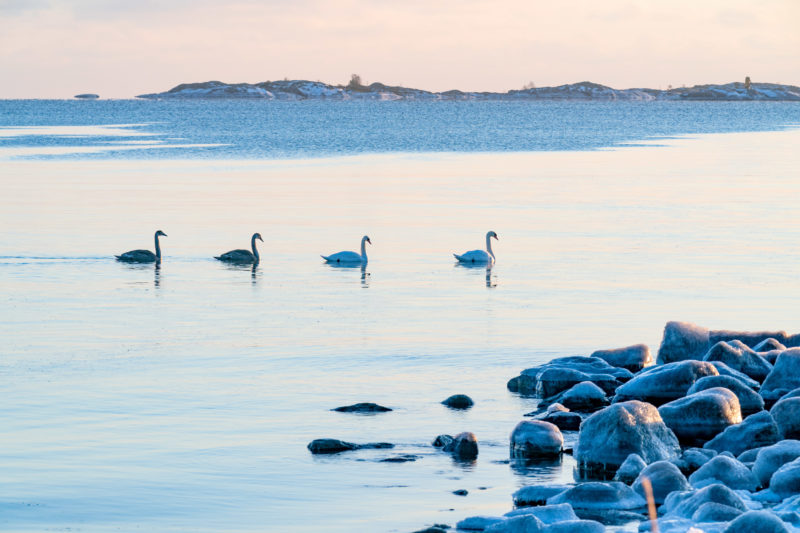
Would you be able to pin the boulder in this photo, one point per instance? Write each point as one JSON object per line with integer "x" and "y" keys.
{"x": 323, "y": 446}
{"x": 518, "y": 524}
{"x": 554, "y": 380}
{"x": 784, "y": 377}
{"x": 771, "y": 356}
{"x": 771, "y": 458}
{"x": 786, "y": 413}
{"x": 458, "y": 401}
{"x": 630, "y": 469}
{"x": 791, "y": 394}
{"x": 785, "y": 482}
{"x": 739, "y": 357}
{"x": 609, "y": 436}
{"x": 585, "y": 396}
{"x": 664, "y": 477}
{"x": 693, "y": 458}
{"x": 755, "y": 431}
{"x": 576, "y": 526}
{"x": 564, "y": 421}
{"x": 701, "y": 416}
{"x": 548, "y": 514}
{"x": 715, "y": 512}
{"x": 562, "y": 373}
{"x": 478, "y": 523}
{"x": 749, "y": 456}
{"x": 725, "y": 370}
{"x": 757, "y": 522}
{"x": 726, "y": 470}
{"x": 600, "y": 495}
{"x": 633, "y": 358}
{"x": 682, "y": 341}
{"x": 536, "y": 495}
{"x": 749, "y": 401}
{"x": 362, "y": 408}
{"x": 662, "y": 384}
{"x": 750, "y": 338}
{"x": 441, "y": 441}
{"x": 532, "y": 439}
{"x": 685, "y": 504}
{"x": 463, "y": 447}
{"x": 768, "y": 345}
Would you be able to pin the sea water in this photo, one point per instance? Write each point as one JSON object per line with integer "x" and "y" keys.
{"x": 182, "y": 398}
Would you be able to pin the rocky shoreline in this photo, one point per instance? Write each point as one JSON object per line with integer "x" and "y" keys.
{"x": 709, "y": 432}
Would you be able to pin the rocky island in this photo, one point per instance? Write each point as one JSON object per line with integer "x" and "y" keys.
{"x": 316, "y": 90}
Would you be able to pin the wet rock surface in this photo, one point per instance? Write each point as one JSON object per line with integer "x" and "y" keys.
{"x": 532, "y": 439}
{"x": 699, "y": 417}
{"x": 458, "y": 401}
{"x": 362, "y": 408}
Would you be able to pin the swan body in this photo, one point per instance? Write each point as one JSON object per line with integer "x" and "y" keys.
{"x": 143, "y": 256}
{"x": 243, "y": 256}
{"x": 350, "y": 257}
{"x": 479, "y": 256}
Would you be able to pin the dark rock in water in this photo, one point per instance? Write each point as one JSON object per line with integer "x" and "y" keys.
{"x": 564, "y": 421}
{"x": 768, "y": 345}
{"x": 682, "y": 341}
{"x": 726, "y": 470}
{"x": 320, "y": 446}
{"x": 461, "y": 492}
{"x": 517, "y": 524}
{"x": 375, "y": 446}
{"x": 407, "y": 458}
{"x": 662, "y": 384}
{"x": 87, "y": 96}
{"x": 464, "y": 446}
{"x": 785, "y": 376}
{"x": 715, "y": 512}
{"x": 585, "y": 397}
{"x": 442, "y": 441}
{"x": 699, "y": 417}
{"x": 754, "y": 432}
{"x": 362, "y": 408}
{"x": 436, "y": 528}
{"x": 786, "y": 413}
{"x": 741, "y": 358}
{"x": 633, "y": 358}
{"x": 609, "y": 436}
{"x": 536, "y": 439}
{"x": 785, "y": 482}
{"x": 575, "y": 526}
{"x": 685, "y": 504}
{"x": 600, "y": 495}
{"x": 749, "y": 401}
{"x": 630, "y": 469}
{"x": 665, "y": 478}
{"x": 771, "y": 458}
{"x": 536, "y": 495}
{"x": 757, "y": 522}
{"x": 458, "y": 401}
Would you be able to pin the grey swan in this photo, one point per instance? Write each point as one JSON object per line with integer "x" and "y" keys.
{"x": 143, "y": 256}
{"x": 243, "y": 257}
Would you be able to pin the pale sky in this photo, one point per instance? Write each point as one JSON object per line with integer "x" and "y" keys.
{"x": 121, "y": 48}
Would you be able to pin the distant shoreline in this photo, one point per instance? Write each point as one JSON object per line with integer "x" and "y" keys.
{"x": 586, "y": 91}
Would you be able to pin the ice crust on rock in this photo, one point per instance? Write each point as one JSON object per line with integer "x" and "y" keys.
{"x": 786, "y": 413}
{"x": 699, "y": 417}
{"x": 665, "y": 478}
{"x": 685, "y": 504}
{"x": 662, "y": 384}
{"x": 755, "y": 431}
{"x": 630, "y": 468}
{"x": 740, "y": 357}
{"x": 771, "y": 458}
{"x": 726, "y": 470}
{"x": 749, "y": 401}
{"x": 784, "y": 377}
{"x": 611, "y": 495}
{"x": 633, "y": 358}
{"x": 536, "y": 439}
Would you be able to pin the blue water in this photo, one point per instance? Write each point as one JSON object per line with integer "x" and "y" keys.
{"x": 243, "y": 129}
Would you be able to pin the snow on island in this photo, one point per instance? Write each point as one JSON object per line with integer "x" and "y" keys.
{"x": 307, "y": 90}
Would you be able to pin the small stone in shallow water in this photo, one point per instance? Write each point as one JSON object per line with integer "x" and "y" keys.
{"x": 458, "y": 401}
{"x": 442, "y": 440}
{"x": 322, "y": 446}
{"x": 464, "y": 446}
{"x": 400, "y": 458}
{"x": 536, "y": 495}
{"x": 461, "y": 492}
{"x": 362, "y": 408}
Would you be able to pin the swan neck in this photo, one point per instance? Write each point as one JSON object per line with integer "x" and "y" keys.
{"x": 158, "y": 249}
{"x": 489, "y": 246}
{"x": 363, "y": 250}
{"x": 253, "y": 245}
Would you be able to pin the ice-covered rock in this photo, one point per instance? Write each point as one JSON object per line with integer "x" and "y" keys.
{"x": 562, "y": 373}
{"x": 701, "y": 416}
{"x": 768, "y": 345}
{"x": 786, "y": 413}
{"x": 771, "y": 458}
{"x": 633, "y": 358}
{"x": 464, "y": 446}
{"x": 682, "y": 341}
{"x": 725, "y": 370}
{"x": 536, "y": 495}
{"x": 575, "y": 526}
{"x": 548, "y": 514}
{"x": 536, "y": 439}
{"x": 757, "y": 522}
{"x": 458, "y": 401}
{"x": 795, "y": 393}
{"x": 609, "y": 436}
{"x": 478, "y": 523}
{"x": 749, "y": 401}
{"x": 755, "y": 431}
{"x": 600, "y": 495}
{"x": 685, "y": 504}
{"x": 630, "y": 469}
{"x": 585, "y": 396}
{"x": 665, "y": 478}
{"x": 784, "y": 377}
{"x": 693, "y": 458}
{"x": 715, "y": 512}
{"x": 726, "y": 470}
{"x": 564, "y": 421}
{"x": 739, "y": 357}
{"x": 526, "y": 523}
{"x": 665, "y": 383}
{"x": 785, "y": 482}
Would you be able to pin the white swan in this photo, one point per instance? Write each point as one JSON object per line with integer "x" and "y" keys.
{"x": 243, "y": 257}
{"x": 350, "y": 257}
{"x": 143, "y": 256}
{"x": 479, "y": 256}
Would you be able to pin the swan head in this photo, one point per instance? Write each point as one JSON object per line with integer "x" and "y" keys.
{"x": 258, "y": 236}
{"x": 160, "y": 233}
{"x": 366, "y": 239}
{"x": 493, "y": 235}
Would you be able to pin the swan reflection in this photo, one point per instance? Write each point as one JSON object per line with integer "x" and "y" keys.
{"x": 491, "y": 282}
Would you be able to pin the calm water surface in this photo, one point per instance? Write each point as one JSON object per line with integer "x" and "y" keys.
{"x": 182, "y": 399}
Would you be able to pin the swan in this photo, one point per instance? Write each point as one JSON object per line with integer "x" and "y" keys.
{"x": 350, "y": 257}
{"x": 479, "y": 256}
{"x": 143, "y": 256}
{"x": 243, "y": 256}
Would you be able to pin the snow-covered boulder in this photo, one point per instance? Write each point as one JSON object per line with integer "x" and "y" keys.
{"x": 585, "y": 396}
{"x": 633, "y": 358}
{"x": 771, "y": 458}
{"x": 536, "y": 439}
{"x": 609, "y": 436}
{"x": 701, "y": 416}
{"x": 725, "y": 370}
{"x": 661, "y": 384}
{"x": 757, "y": 522}
{"x": 755, "y": 431}
{"x": 693, "y": 458}
{"x": 478, "y": 523}
{"x": 784, "y": 377}
{"x": 536, "y": 495}
{"x": 665, "y": 478}
{"x": 526, "y": 523}
{"x": 630, "y": 469}
{"x": 786, "y": 413}
{"x": 726, "y": 470}
{"x": 785, "y": 482}
{"x": 600, "y": 495}
{"x": 576, "y": 526}
{"x": 550, "y": 379}
{"x": 739, "y": 357}
{"x": 749, "y": 400}
{"x": 685, "y": 504}
{"x": 548, "y": 514}
{"x": 682, "y": 341}
{"x": 715, "y": 512}
{"x": 768, "y": 345}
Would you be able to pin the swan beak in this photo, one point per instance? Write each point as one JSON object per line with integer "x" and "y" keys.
{"x": 369, "y": 241}
{"x": 163, "y": 234}
{"x": 496, "y": 237}
{"x": 260, "y": 239}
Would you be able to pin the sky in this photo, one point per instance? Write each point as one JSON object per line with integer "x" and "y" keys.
{"x": 118, "y": 49}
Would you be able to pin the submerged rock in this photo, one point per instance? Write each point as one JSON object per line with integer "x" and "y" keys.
{"x": 784, "y": 377}
{"x": 682, "y": 341}
{"x": 464, "y": 446}
{"x": 633, "y": 358}
{"x": 786, "y": 413}
{"x": 749, "y": 401}
{"x": 630, "y": 469}
{"x": 533, "y": 439}
{"x": 600, "y": 495}
{"x": 458, "y": 401}
{"x": 740, "y": 357}
{"x": 755, "y": 431}
{"x": 662, "y": 384}
{"x": 726, "y": 470}
{"x": 664, "y": 477}
{"x": 771, "y": 458}
{"x": 757, "y": 522}
{"x": 362, "y": 408}
{"x": 699, "y": 417}
{"x": 609, "y": 436}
